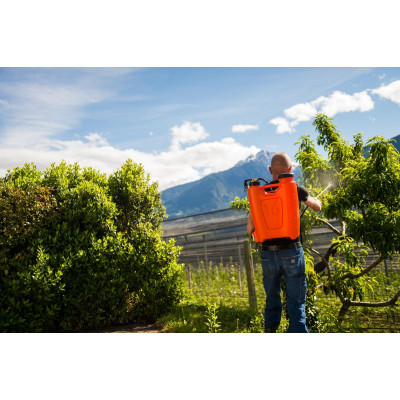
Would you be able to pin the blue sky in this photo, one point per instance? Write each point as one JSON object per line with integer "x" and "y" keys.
{"x": 183, "y": 123}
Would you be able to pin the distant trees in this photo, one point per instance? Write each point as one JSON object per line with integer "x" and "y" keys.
{"x": 79, "y": 249}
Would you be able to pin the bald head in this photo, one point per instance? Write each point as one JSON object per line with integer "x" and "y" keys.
{"x": 280, "y": 164}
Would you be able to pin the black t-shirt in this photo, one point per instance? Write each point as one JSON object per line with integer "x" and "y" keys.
{"x": 303, "y": 194}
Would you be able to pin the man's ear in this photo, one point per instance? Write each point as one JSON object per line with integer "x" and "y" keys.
{"x": 290, "y": 168}
{"x": 270, "y": 170}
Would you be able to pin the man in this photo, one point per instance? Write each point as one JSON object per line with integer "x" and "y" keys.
{"x": 285, "y": 257}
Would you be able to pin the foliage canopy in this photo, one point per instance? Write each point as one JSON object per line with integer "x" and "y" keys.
{"x": 81, "y": 250}
{"x": 363, "y": 197}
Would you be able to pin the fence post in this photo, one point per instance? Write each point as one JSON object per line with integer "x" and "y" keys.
{"x": 250, "y": 274}
{"x": 190, "y": 276}
{"x": 240, "y": 280}
{"x": 387, "y": 271}
{"x": 388, "y": 284}
{"x": 205, "y": 249}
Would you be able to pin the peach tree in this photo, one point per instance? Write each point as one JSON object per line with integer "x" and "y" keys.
{"x": 364, "y": 198}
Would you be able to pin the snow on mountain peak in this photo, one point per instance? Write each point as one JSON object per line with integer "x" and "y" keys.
{"x": 262, "y": 156}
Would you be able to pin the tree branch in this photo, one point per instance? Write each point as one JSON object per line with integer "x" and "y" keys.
{"x": 317, "y": 253}
{"x": 332, "y": 228}
{"x": 325, "y": 262}
{"x": 343, "y": 310}
{"x": 364, "y": 271}
{"x": 390, "y": 302}
{"x": 344, "y": 226}
{"x": 319, "y": 267}
{"x": 321, "y": 285}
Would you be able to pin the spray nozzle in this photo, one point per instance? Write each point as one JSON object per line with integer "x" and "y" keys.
{"x": 317, "y": 198}
{"x": 325, "y": 189}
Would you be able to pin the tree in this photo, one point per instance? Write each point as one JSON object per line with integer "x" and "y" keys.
{"x": 80, "y": 250}
{"x": 364, "y": 197}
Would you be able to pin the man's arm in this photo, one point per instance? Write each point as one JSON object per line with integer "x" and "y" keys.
{"x": 250, "y": 225}
{"x": 313, "y": 203}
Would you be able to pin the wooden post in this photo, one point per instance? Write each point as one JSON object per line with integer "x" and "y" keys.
{"x": 240, "y": 280}
{"x": 190, "y": 276}
{"x": 205, "y": 250}
{"x": 250, "y": 274}
{"x": 240, "y": 266}
{"x": 388, "y": 283}
{"x": 387, "y": 271}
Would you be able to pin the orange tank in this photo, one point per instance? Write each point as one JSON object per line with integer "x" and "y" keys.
{"x": 275, "y": 209}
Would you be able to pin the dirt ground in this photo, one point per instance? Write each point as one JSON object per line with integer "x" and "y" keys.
{"x": 129, "y": 328}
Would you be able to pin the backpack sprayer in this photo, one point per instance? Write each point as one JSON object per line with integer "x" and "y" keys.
{"x": 275, "y": 207}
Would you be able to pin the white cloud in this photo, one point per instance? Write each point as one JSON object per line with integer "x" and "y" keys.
{"x": 283, "y": 125}
{"x": 37, "y": 113}
{"x": 39, "y": 110}
{"x": 96, "y": 140}
{"x": 188, "y": 132}
{"x": 301, "y": 112}
{"x": 337, "y": 102}
{"x": 169, "y": 168}
{"x": 391, "y": 91}
{"x": 244, "y": 128}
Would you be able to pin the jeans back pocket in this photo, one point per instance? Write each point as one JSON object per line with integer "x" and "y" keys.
{"x": 293, "y": 266}
{"x": 266, "y": 264}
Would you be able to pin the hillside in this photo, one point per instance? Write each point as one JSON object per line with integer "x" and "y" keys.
{"x": 397, "y": 142}
{"x": 216, "y": 191}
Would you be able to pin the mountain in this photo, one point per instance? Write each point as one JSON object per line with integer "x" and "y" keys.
{"x": 216, "y": 191}
{"x": 397, "y": 142}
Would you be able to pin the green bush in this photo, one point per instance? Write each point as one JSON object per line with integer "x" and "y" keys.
{"x": 79, "y": 250}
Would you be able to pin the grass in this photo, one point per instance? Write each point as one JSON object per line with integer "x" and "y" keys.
{"x": 216, "y": 300}
{"x": 223, "y": 287}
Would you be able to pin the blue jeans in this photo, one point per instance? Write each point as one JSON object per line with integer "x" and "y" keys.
{"x": 289, "y": 263}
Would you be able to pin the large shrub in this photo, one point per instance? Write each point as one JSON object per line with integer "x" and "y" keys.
{"x": 80, "y": 250}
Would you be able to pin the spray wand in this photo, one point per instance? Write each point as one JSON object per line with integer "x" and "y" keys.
{"x": 317, "y": 198}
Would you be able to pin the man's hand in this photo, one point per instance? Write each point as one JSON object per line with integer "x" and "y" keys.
{"x": 250, "y": 225}
{"x": 313, "y": 203}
